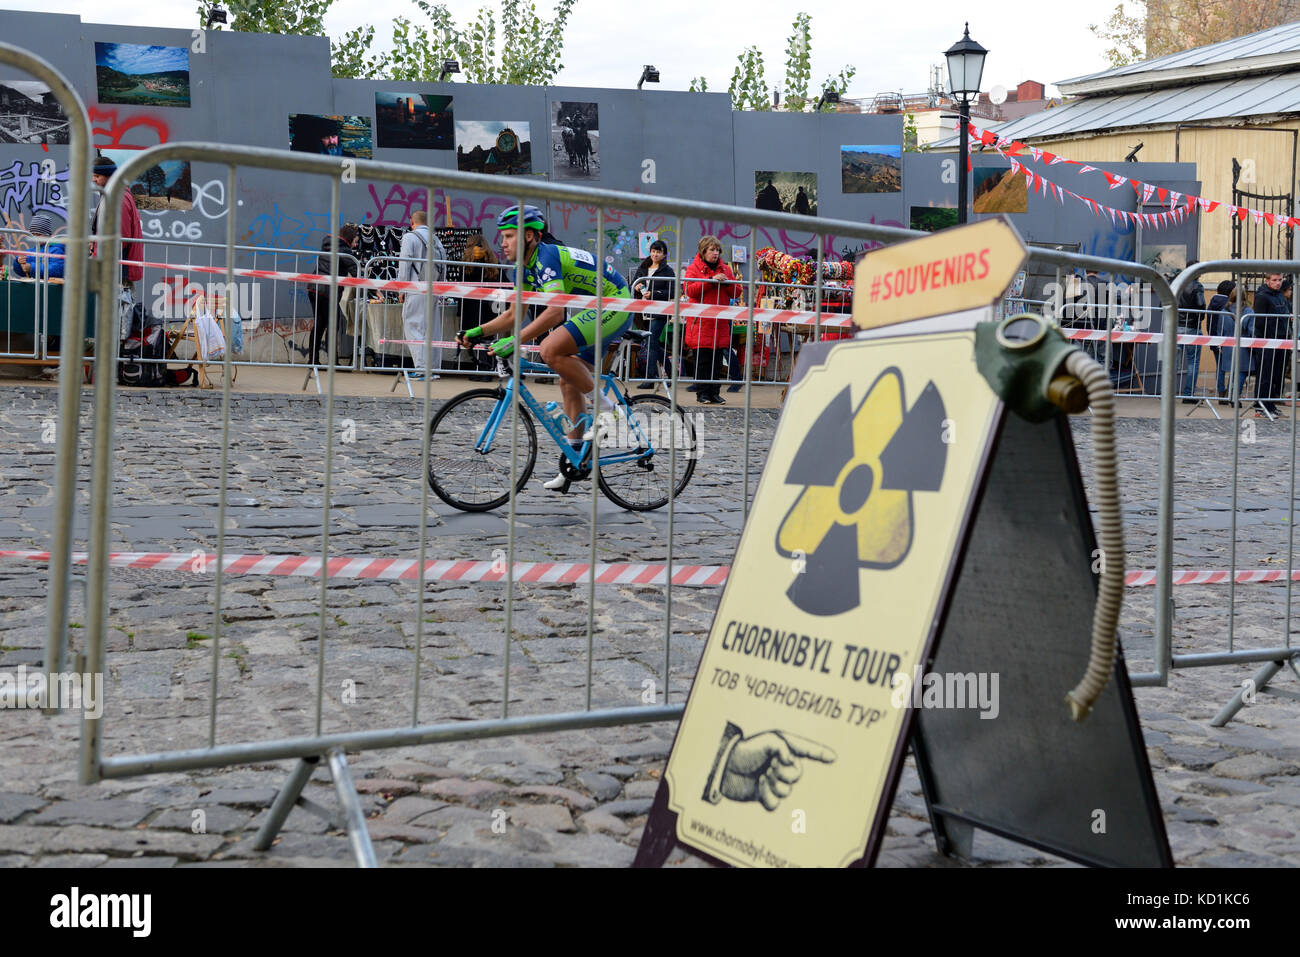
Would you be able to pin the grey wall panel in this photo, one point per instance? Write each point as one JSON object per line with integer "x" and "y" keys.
{"x": 805, "y": 142}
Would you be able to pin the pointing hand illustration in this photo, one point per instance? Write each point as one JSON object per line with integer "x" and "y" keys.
{"x": 766, "y": 766}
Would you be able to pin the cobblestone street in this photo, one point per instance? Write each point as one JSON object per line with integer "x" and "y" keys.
{"x": 1230, "y": 796}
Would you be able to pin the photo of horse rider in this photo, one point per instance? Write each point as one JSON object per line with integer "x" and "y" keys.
{"x": 575, "y": 141}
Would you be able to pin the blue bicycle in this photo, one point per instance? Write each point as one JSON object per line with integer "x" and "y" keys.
{"x": 470, "y": 443}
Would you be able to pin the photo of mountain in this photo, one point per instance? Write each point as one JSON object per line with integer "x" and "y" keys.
{"x": 871, "y": 169}
{"x": 30, "y": 114}
{"x": 139, "y": 75}
{"x": 997, "y": 190}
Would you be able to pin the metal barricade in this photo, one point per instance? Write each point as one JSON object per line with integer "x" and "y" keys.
{"x": 320, "y": 744}
{"x": 1265, "y": 348}
{"x": 73, "y": 330}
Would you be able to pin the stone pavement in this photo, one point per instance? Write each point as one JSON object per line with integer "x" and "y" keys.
{"x": 1230, "y": 796}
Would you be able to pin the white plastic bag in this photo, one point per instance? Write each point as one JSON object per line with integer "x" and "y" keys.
{"x": 212, "y": 344}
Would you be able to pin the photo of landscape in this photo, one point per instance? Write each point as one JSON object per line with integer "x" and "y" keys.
{"x": 784, "y": 192}
{"x": 331, "y": 135}
{"x": 30, "y": 114}
{"x": 998, "y": 190}
{"x": 162, "y": 187}
{"x": 140, "y": 75}
{"x": 414, "y": 121}
{"x": 871, "y": 169}
{"x": 933, "y": 218}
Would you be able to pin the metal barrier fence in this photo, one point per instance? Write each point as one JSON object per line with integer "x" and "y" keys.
{"x": 75, "y": 284}
{"x": 312, "y": 748}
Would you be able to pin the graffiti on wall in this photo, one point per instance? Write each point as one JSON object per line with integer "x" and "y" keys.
{"x": 111, "y": 129}
{"x": 39, "y": 185}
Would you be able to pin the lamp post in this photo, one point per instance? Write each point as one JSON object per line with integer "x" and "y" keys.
{"x": 965, "y": 67}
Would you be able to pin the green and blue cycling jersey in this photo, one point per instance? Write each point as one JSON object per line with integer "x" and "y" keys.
{"x": 565, "y": 269}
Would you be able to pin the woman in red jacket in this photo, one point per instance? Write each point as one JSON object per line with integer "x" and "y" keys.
{"x": 709, "y": 280}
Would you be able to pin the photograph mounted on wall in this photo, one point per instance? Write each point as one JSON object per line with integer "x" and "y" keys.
{"x": 414, "y": 121}
{"x": 871, "y": 169}
{"x": 998, "y": 190}
{"x": 493, "y": 147}
{"x": 162, "y": 187}
{"x": 575, "y": 140}
{"x": 330, "y": 135}
{"x": 136, "y": 74}
{"x": 30, "y": 114}
{"x": 933, "y": 218}
{"x": 1168, "y": 260}
{"x": 783, "y": 192}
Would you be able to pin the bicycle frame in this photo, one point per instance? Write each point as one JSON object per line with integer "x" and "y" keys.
{"x": 576, "y": 456}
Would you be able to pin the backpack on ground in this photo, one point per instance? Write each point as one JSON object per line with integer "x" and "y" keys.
{"x": 146, "y": 339}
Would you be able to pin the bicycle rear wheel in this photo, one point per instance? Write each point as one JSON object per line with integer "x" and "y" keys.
{"x": 643, "y": 483}
{"x": 459, "y": 473}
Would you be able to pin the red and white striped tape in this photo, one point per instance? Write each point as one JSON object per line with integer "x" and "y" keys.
{"x": 614, "y": 573}
{"x": 403, "y": 569}
{"x": 737, "y": 314}
{"x": 507, "y": 295}
{"x": 1183, "y": 340}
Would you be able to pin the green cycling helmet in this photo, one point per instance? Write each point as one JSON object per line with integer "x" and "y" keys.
{"x": 533, "y": 219}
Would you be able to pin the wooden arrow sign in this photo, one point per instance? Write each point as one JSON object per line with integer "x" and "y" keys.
{"x": 951, "y": 271}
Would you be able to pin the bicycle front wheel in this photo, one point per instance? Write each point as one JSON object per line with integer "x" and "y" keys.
{"x": 634, "y": 456}
{"x": 468, "y": 469}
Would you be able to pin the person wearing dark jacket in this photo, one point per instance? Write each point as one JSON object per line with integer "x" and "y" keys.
{"x": 1223, "y": 322}
{"x": 709, "y": 280}
{"x": 655, "y": 279}
{"x": 348, "y": 236}
{"x": 1191, "y": 308}
{"x": 1272, "y": 321}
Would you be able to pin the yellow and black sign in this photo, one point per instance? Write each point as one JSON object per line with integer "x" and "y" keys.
{"x": 948, "y": 272}
{"x": 786, "y": 747}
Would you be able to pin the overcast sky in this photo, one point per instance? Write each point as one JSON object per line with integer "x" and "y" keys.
{"x": 607, "y": 41}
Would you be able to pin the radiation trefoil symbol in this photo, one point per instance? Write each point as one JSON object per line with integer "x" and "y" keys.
{"x": 859, "y": 469}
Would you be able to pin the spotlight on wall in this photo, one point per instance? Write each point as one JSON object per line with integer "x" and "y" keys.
{"x": 448, "y": 68}
{"x": 215, "y": 15}
{"x": 1133, "y": 154}
{"x": 828, "y": 96}
{"x": 648, "y": 75}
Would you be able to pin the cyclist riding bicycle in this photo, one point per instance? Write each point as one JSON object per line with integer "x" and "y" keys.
{"x": 570, "y": 347}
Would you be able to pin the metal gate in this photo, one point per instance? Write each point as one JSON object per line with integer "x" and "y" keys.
{"x": 1253, "y": 239}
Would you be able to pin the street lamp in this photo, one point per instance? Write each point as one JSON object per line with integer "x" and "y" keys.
{"x": 965, "y": 67}
{"x": 648, "y": 75}
{"x": 448, "y": 68}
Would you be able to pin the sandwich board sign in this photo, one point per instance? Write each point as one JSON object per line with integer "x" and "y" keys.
{"x": 804, "y": 701}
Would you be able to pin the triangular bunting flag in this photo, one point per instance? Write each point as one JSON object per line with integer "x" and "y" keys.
{"x": 1147, "y": 190}
{"x": 1052, "y": 158}
{"x": 1268, "y": 218}
{"x": 1174, "y": 197}
{"x": 1211, "y": 205}
{"x": 1036, "y": 153}
{"x": 1162, "y": 193}
{"x": 1085, "y": 168}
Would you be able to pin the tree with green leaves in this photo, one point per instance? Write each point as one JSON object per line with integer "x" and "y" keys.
{"x": 529, "y": 54}
{"x": 749, "y": 87}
